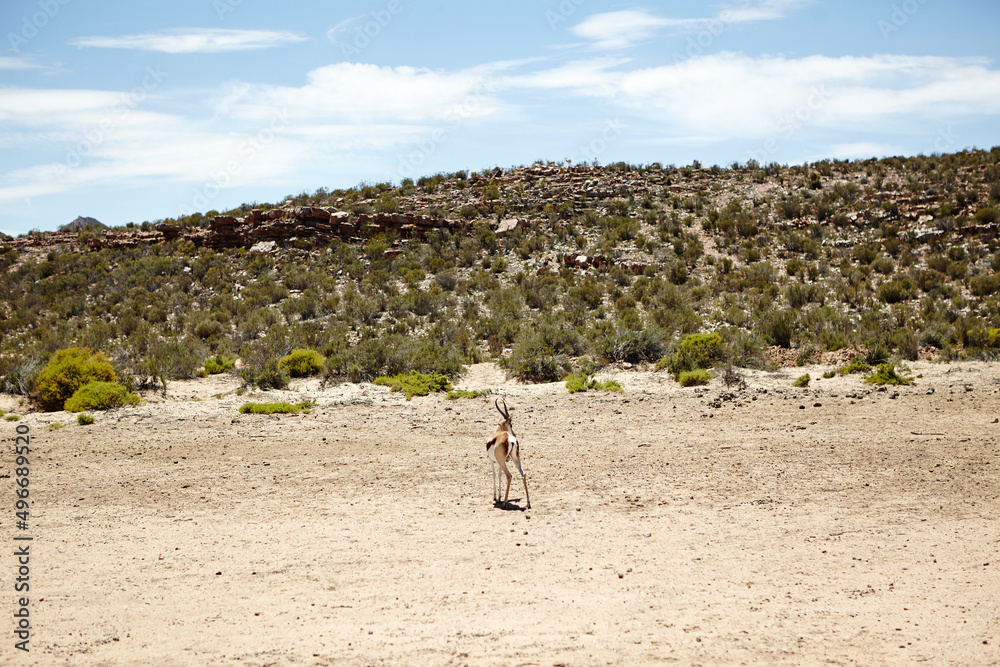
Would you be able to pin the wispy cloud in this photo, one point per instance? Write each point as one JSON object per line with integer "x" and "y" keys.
{"x": 17, "y": 62}
{"x": 194, "y": 40}
{"x": 620, "y": 29}
{"x": 363, "y": 93}
{"x": 734, "y": 95}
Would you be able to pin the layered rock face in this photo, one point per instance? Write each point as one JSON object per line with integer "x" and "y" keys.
{"x": 314, "y": 226}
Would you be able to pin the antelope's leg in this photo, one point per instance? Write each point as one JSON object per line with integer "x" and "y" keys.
{"x": 524, "y": 479}
{"x": 503, "y": 467}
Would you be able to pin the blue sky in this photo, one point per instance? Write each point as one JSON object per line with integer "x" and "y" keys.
{"x": 128, "y": 111}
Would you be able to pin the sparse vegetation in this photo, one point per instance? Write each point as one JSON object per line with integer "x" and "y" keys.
{"x": 415, "y": 383}
{"x": 84, "y": 419}
{"x": 887, "y": 374}
{"x": 100, "y": 396}
{"x": 699, "y": 376}
{"x": 802, "y": 381}
{"x": 219, "y": 364}
{"x": 833, "y": 255}
{"x": 281, "y": 407}
{"x": 464, "y": 393}
{"x": 66, "y": 372}
{"x": 856, "y": 365}
{"x": 576, "y": 382}
{"x": 302, "y": 363}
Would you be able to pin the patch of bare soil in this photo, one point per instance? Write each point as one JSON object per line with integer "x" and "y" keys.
{"x": 768, "y": 525}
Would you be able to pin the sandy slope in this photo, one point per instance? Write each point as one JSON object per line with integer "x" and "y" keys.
{"x": 825, "y": 526}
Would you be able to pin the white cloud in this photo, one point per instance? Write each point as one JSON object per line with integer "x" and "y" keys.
{"x": 351, "y": 113}
{"x": 620, "y": 29}
{"x": 362, "y": 93}
{"x": 194, "y": 40}
{"x": 17, "y": 62}
{"x": 735, "y": 95}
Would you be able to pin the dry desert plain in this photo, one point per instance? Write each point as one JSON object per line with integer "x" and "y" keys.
{"x": 834, "y": 525}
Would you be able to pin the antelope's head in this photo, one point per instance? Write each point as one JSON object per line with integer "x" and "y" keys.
{"x": 504, "y": 424}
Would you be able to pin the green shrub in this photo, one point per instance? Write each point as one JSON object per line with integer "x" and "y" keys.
{"x": 576, "y": 382}
{"x": 302, "y": 363}
{"x": 540, "y": 354}
{"x": 987, "y": 215}
{"x": 829, "y": 374}
{"x": 219, "y": 364}
{"x": 694, "y": 378}
{"x": 275, "y": 408}
{"x": 896, "y": 291}
{"x": 632, "y": 347}
{"x": 67, "y": 371}
{"x": 777, "y": 327}
{"x": 415, "y": 383}
{"x": 994, "y": 338}
{"x": 266, "y": 375}
{"x": 984, "y": 285}
{"x": 12, "y": 418}
{"x": 856, "y": 365}
{"x": 802, "y": 381}
{"x": 100, "y": 396}
{"x": 463, "y": 393}
{"x": 886, "y": 374}
{"x": 84, "y": 420}
{"x": 696, "y": 351}
{"x": 55, "y": 426}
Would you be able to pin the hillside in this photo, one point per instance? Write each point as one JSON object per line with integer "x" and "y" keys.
{"x": 546, "y": 268}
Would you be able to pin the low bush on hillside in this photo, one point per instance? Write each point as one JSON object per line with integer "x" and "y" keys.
{"x": 302, "y": 363}
{"x": 275, "y": 408}
{"x": 695, "y": 351}
{"x": 415, "y": 383}
{"x": 100, "y": 396}
{"x": 463, "y": 393}
{"x": 856, "y": 365}
{"x": 887, "y": 374}
{"x": 577, "y": 382}
{"x": 67, "y": 371}
{"x": 699, "y": 376}
{"x": 219, "y": 364}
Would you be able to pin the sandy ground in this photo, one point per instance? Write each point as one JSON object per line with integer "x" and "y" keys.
{"x": 771, "y": 525}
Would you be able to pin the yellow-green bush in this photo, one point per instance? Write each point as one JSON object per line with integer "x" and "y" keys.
{"x": 302, "y": 363}
{"x": 67, "y": 371}
{"x": 694, "y": 378}
{"x": 100, "y": 396}
{"x": 415, "y": 384}
{"x": 696, "y": 351}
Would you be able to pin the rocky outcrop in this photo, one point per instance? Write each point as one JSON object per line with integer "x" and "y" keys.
{"x": 82, "y": 223}
{"x": 278, "y": 227}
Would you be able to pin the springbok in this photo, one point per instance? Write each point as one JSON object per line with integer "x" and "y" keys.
{"x": 501, "y": 448}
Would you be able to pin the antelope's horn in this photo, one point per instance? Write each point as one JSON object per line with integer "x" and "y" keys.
{"x": 503, "y": 411}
